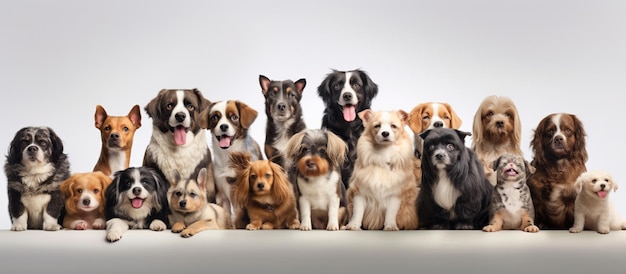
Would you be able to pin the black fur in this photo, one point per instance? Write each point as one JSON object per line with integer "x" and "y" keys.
{"x": 466, "y": 173}
{"x": 329, "y": 90}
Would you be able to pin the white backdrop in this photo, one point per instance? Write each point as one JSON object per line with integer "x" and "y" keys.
{"x": 59, "y": 59}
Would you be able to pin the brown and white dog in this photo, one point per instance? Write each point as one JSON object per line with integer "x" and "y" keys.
{"x": 229, "y": 122}
{"x": 178, "y": 142}
{"x": 85, "y": 200}
{"x": 560, "y": 154}
{"x": 383, "y": 189}
{"x": 497, "y": 129}
{"x": 117, "y": 133}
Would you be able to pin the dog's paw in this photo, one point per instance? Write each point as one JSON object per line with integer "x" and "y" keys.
{"x": 178, "y": 227}
{"x": 252, "y": 227}
{"x": 158, "y": 225}
{"x": 603, "y": 230}
{"x": 51, "y": 226}
{"x": 393, "y": 227}
{"x": 531, "y": 228}
{"x": 80, "y": 225}
{"x": 267, "y": 226}
{"x": 305, "y": 226}
{"x": 98, "y": 224}
{"x": 575, "y": 230}
{"x": 114, "y": 235}
{"x": 187, "y": 233}
{"x": 489, "y": 228}
{"x": 294, "y": 225}
{"x": 352, "y": 226}
{"x": 332, "y": 226}
{"x": 18, "y": 227}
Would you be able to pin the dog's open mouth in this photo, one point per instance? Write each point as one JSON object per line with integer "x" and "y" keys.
{"x": 511, "y": 172}
{"x": 349, "y": 112}
{"x": 224, "y": 141}
{"x": 180, "y": 135}
{"x": 602, "y": 194}
{"x": 136, "y": 202}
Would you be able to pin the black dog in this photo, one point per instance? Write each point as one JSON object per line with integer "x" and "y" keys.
{"x": 345, "y": 94}
{"x": 284, "y": 115}
{"x": 455, "y": 192}
{"x": 35, "y": 167}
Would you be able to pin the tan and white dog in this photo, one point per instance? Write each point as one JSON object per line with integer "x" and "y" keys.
{"x": 431, "y": 115}
{"x": 229, "y": 122}
{"x": 117, "y": 134}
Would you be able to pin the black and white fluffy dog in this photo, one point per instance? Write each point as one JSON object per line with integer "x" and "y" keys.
{"x": 35, "y": 167}
{"x": 136, "y": 199}
{"x": 316, "y": 157}
{"x": 346, "y": 93}
{"x": 284, "y": 115}
{"x": 455, "y": 192}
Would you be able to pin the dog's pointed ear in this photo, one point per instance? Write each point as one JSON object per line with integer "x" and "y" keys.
{"x": 176, "y": 176}
{"x": 404, "y": 117}
{"x": 425, "y": 134}
{"x": 455, "y": 120}
{"x": 247, "y": 114}
{"x": 496, "y": 163}
{"x": 135, "y": 116}
{"x": 100, "y": 116}
{"x": 462, "y": 134}
{"x": 265, "y": 83}
{"x": 202, "y": 179}
{"x": 366, "y": 115}
{"x": 300, "y": 84}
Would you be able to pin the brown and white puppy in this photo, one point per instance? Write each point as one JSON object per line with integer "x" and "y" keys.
{"x": 229, "y": 122}
{"x": 497, "y": 129}
{"x": 262, "y": 194}
{"x": 178, "y": 142}
{"x": 316, "y": 157}
{"x": 35, "y": 167}
{"x": 191, "y": 211}
{"x": 284, "y": 115}
{"x": 84, "y": 200}
{"x": 593, "y": 208}
{"x": 560, "y": 154}
{"x": 511, "y": 205}
{"x": 383, "y": 189}
{"x": 117, "y": 133}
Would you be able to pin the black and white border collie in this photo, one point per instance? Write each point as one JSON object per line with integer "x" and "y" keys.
{"x": 346, "y": 93}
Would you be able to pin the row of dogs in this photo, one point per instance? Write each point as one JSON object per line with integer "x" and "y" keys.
{"x": 360, "y": 170}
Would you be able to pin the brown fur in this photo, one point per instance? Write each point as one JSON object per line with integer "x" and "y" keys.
{"x": 552, "y": 184}
{"x": 72, "y": 189}
{"x": 270, "y": 207}
{"x": 117, "y": 134}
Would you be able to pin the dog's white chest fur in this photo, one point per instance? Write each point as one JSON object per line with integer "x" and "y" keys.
{"x": 444, "y": 192}
{"x": 180, "y": 158}
{"x": 35, "y": 206}
{"x": 511, "y": 198}
{"x": 319, "y": 190}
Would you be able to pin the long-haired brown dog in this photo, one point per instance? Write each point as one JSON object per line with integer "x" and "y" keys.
{"x": 84, "y": 200}
{"x": 262, "y": 194}
{"x": 497, "y": 129}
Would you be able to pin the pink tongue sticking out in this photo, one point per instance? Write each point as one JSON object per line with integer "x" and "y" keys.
{"x": 225, "y": 141}
{"x": 349, "y": 113}
{"x": 180, "y": 135}
{"x": 137, "y": 202}
{"x": 602, "y": 193}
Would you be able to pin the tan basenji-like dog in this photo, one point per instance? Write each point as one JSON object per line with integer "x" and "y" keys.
{"x": 117, "y": 134}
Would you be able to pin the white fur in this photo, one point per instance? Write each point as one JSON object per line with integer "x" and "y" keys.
{"x": 319, "y": 193}
{"x": 180, "y": 107}
{"x": 117, "y": 160}
{"x": 556, "y": 119}
{"x": 592, "y": 212}
{"x": 170, "y": 157}
{"x": 347, "y": 88}
{"x": 444, "y": 192}
{"x": 511, "y": 217}
{"x": 35, "y": 210}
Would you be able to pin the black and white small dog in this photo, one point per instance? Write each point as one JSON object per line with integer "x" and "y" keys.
{"x": 284, "y": 115}
{"x": 346, "y": 93}
{"x": 35, "y": 167}
{"x": 316, "y": 157}
{"x": 455, "y": 192}
{"x": 136, "y": 199}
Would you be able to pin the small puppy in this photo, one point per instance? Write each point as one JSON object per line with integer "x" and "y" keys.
{"x": 511, "y": 205}
{"x": 229, "y": 122}
{"x": 262, "y": 194}
{"x": 84, "y": 200}
{"x": 346, "y": 93}
{"x": 191, "y": 212}
{"x": 136, "y": 199}
{"x": 383, "y": 187}
{"x": 284, "y": 115}
{"x": 35, "y": 167}
{"x": 560, "y": 154}
{"x": 455, "y": 193}
{"x": 497, "y": 129}
{"x": 593, "y": 208}
{"x": 317, "y": 156}
{"x": 117, "y": 133}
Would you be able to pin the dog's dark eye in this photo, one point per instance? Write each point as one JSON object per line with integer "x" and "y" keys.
{"x": 96, "y": 191}
{"x": 550, "y": 131}
{"x": 431, "y": 147}
{"x": 446, "y": 117}
{"x": 489, "y": 114}
{"x": 107, "y": 128}
{"x": 450, "y": 146}
{"x": 322, "y": 151}
{"x": 268, "y": 175}
{"x": 169, "y": 106}
{"x": 193, "y": 195}
{"x": 125, "y": 129}
{"x": 253, "y": 176}
{"x": 426, "y": 117}
{"x": 376, "y": 126}
{"x": 304, "y": 150}
{"x": 215, "y": 117}
{"x": 190, "y": 107}
{"x": 508, "y": 114}
{"x": 145, "y": 183}
{"x": 594, "y": 180}
{"x": 178, "y": 193}
{"x": 127, "y": 184}
{"x": 356, "y": 86}
{"x": 234, "y": 118}
{"x": 291, "y": 95}
{"x": 394, "y": 126}
{"x": 79, "y": 191}
{"x": 43, "y": 143}
{"x": 568, "y": 131}
{"x": 337, "y": 87}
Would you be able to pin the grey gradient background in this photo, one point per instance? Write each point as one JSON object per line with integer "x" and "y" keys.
{"x": 59, "y": 59}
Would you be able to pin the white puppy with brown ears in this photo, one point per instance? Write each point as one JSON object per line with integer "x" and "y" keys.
{"x": 593, "y": 210}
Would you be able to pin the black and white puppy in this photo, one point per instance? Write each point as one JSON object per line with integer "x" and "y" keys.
{"x": 35, "y": 167}
{"x": 284, "y": 115}
{"x": 178, "y": 142}
{"x": 346, "y": 93}
{"x": 316, "y": 157}
{"x": 455, "y": 192}
{"x": 136, "y": 199}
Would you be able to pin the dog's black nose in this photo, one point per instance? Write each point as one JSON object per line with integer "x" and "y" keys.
{"x": 137, "y": 191}
{"x": 385, "y": 134}
{"x": 347, "y": 97}
{"x": 310, "y": 164}
{"x": 499, "y": 124}
{"x": 558, "y": 139}
{"x": 115, "y": 136}
{"x": 224, "y": 127}
{"x": 602, "y": 186}
{"x": 260, "y": 186}
{"x": 33, "y": 148}
{"x": 281, "y": 106}
{"x": 438, "y": 124}
{"x": 180, "y": 117}
{"x": 439, "y": 156}
{"x": 86, "y": 202}
{"x": 183, "y": 203}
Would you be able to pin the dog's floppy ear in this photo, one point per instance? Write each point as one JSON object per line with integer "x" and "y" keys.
{"x": 424, "y": 134}
{"x": 112, "y": 193}
{"x": 161, "y": 188}
{"x": 455, "y": 120}
{"x": 204, "y": 117}
{"x": 247, "y": 114}
{"x": 281, "y": 187}
{"x": 68, "y": 194}
{"x": 135, "y": 116}
{"x": 580, "y": 151}
{"x": 152, "y": 108}
{"x": 15, "y": 149}
{"x": 578, "y": 184}
{"x": 265, "y": 83}
{"x": 366, "y": 115}
{"x": 241, "y": 187}
{"x": 300, "y": 84}
{"x": 337, "y": 148}
{"x": 294, "y": 143}
{"x": 369, "y": 87}
{"x": 324, "y": 90}
{"x": 462, "y": 134}
{"x": 105, "y": 181}
{"x": 57, "y": 146}
{"x": 203, "y": 101}
{"x": 496, "y": 163}
{"x": 415, "y": 118}
{"x": 100, "y": 116}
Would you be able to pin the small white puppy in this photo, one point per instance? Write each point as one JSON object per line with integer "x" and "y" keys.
{"x": 593, "y": 210}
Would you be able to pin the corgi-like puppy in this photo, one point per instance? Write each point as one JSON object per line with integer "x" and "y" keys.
{"x": 117, "y": 133}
